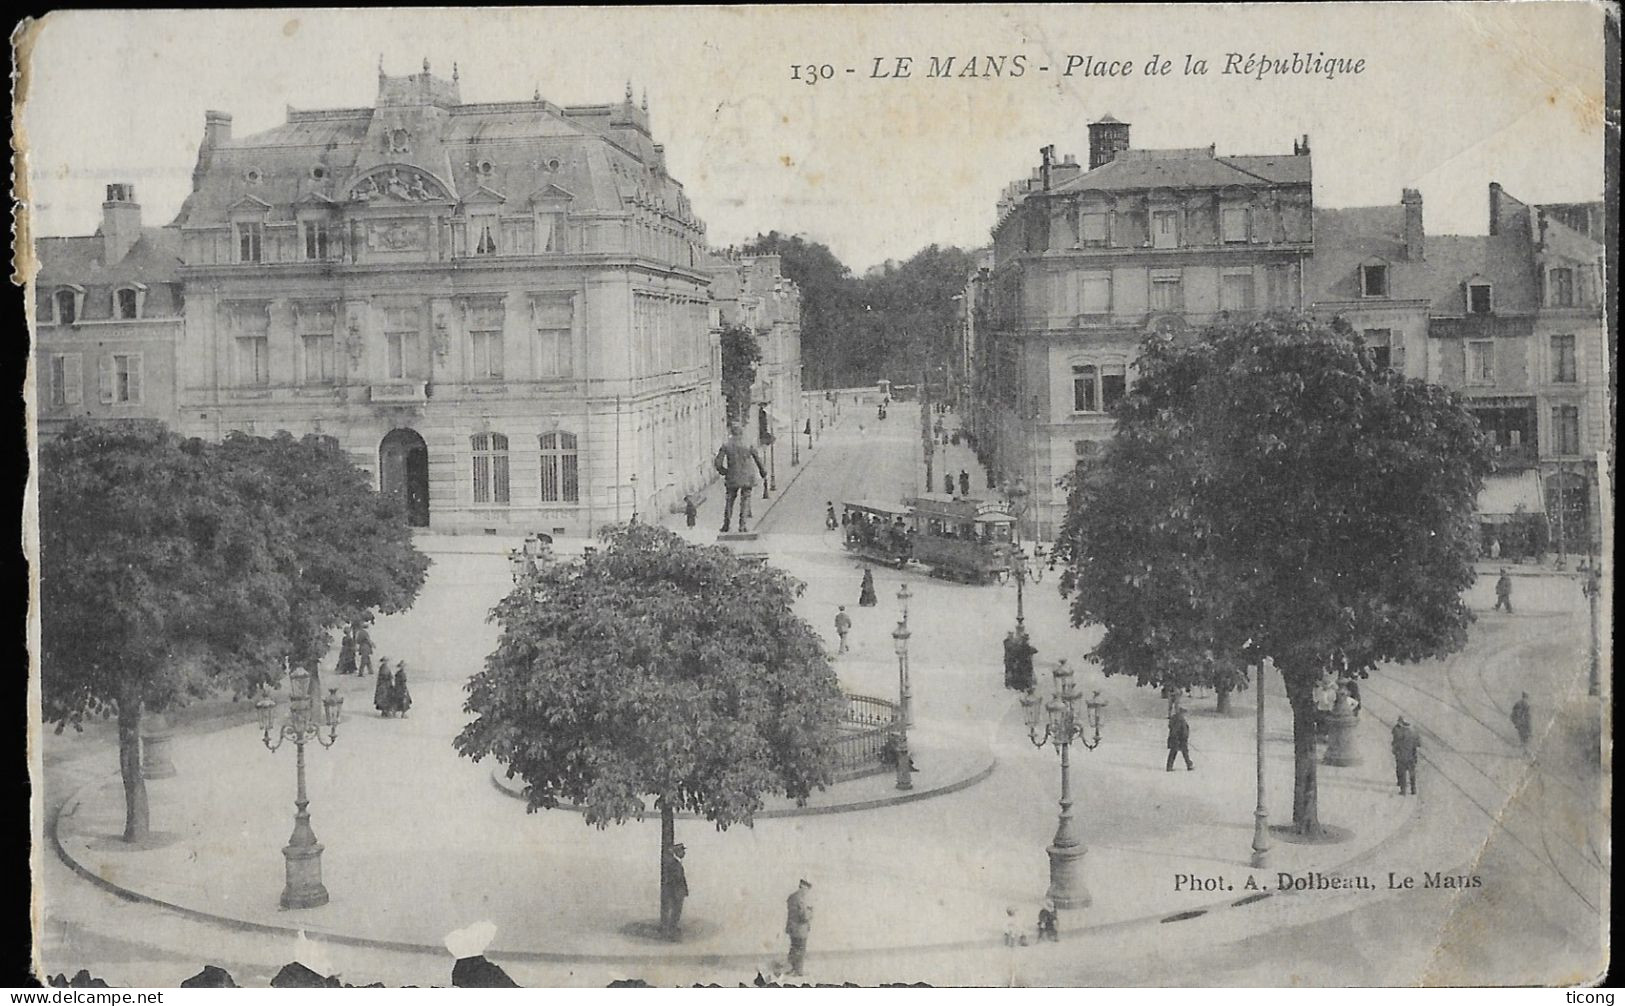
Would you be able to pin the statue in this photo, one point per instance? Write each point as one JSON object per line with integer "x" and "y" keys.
{"x": 734, "y": 461}
{"x": 418, "y": 190}
{"x": 395, "y": 186}
{"x": 366, "y": 190}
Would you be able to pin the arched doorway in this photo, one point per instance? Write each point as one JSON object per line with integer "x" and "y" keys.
{"x": 403, "y": 471}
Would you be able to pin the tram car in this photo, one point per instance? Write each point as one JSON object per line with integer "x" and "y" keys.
{"x": 962, "y": 539}
{"x": 879, "y": 532}
{"x": 954, "y": 538}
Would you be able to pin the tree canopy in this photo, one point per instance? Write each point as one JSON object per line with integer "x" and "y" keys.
{"x": 1271, "y": 491}
{"x": 656, "y": 669}
{"x": 740, "y": 353}
{"x": 173, "y": 568}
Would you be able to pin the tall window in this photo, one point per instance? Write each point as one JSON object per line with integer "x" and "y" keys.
{"x": 125, "y": 303}
{"x": 560, "y": 474}
{"x": 121, "y": 383}
{"x": 1096, "y": 293}
{"x": 67, "y": 380}
{"x": 250, "y": 236}
{"x": 318, "y": 239}
{"x": 550, "y": 232}
{"x": 1386, "y": 351}
{"x": 1233, "y": 224}
{"x": 1481, "y": 362}
{"x": 1113, "y": 385}
{"x": 1374, "y": 280}
{"x": 1562, "y": 288}
{"x": 1236, "y": 291}
{"x": 316, "y": 343}
{"x": 1092, "y": 227}
{"x": 1478, "y": 298}
{"x": 1566, "y": 429}
{"x": 551, "y": 344}
{"x": 1564, "y": 369}
{"x": 1166, "y": 294}
{"x": 490, "y": 468}
{"x": 485, "y": 339}
{"x": 67, "y": 307}
{"x": 1085, "y": 391}
{"x": 253, "y": 348}
{"x": 485, "y": 234}
{"x": 1165, "y": 229}
{"x": 400, "y": 343}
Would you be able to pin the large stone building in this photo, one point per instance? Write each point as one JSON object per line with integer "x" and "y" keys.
{"x": 497, "y": 308}
{"x": 1511, "y": 319}
{"x": 1085, "y": 263}
{"x": 107, "y": 313}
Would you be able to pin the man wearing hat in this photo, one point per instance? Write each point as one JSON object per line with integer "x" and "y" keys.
{"x": 843, "y": 625}
{"x": 798, "y": 922}
{"x": 1503, "y": 592}
{"x": 673, "y": 889}
{"x": 1406, "y": 743}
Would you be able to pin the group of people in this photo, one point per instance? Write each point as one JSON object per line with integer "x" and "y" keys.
{"x": 964, "y": 483}
{"x": 674, "y": 891}
{"x": 390, "y": 696}
{"x": 355, "y": 650}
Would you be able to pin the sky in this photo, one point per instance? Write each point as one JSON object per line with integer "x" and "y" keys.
{"x": 1450, "y": 98}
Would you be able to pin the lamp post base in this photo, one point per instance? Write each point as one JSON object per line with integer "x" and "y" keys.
{"x": 304, "y": 877}
{"x": 1066, "y": 886}
{"x": 1261, "y": 838}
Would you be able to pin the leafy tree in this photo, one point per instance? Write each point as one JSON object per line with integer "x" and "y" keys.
{"x": 1271, "y": 491}
{"x": 740, "y": 353}
{"x": 171, "y": 569}
{"x": 656, "y": 669}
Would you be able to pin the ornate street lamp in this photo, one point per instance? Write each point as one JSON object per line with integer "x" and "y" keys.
{"x": 904, "y": 718}
{"x": 903, "y": 596}
{"x": 1261, "y": 816}
{"x": 1058, "y": 723}
{"x": 1019, "y": 498}
{"x": 302, "y": 854}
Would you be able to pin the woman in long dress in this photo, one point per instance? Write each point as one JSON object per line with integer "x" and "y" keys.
{"x": 383, "y": 693}
{"x": 401, "y": 697}
{"x": 866, "y": 593}
{"x": 347, "y": 652}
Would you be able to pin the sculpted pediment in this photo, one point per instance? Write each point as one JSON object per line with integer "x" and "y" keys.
{"x": 486, "y": 196}
{"x": 399, "y": 184}
{"x": 552, "y": 194}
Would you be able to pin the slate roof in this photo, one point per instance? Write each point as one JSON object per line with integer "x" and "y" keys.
{"x": 601, "y": 167}
{"x": 1190, "y": 168}
{"x": 1347, "y": 238}
{"x": 154, "y": 261}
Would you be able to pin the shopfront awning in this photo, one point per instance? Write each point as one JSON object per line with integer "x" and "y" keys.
{"x": 1505, "y": 495}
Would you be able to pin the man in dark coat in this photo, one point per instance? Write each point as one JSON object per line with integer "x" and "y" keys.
{"x": 1179, "y": 739}
{"x": 964, "y": 482}
{"x": 1503, "y": 592}
{"x": 1521, "y": 720}
{"x": 1406, "y": 744}
{"x": 363, "y": 649}
{"x": 738, "y": 463}
{"x": 1018, "y": 661}
{"x": 673, "y": 890}
{"x": 690, "y": 511}
{"x": 797, "y": 924}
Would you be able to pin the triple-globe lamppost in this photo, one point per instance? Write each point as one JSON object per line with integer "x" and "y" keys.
{"x": 1058, "y": 722}
{"x": 304, "y": 723}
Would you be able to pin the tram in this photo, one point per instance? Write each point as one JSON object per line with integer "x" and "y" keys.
{"x": 954, "y": 538}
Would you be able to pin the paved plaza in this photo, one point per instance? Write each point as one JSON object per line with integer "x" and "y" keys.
{"x": 419, "y": 841}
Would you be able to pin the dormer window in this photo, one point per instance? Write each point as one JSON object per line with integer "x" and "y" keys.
{"x": 1560, "y": 289}
{"x": 250, "y": 240}
{"x": 1092, "y": 227}
{"x": 318, "y": 239}
{"x": 1374, "y": 279}
{"x": 1233, "y": 225}
{"x": 1479, "y": 300}
{"x": 485, "y": 234}
{"x": 126, "y": 303}
{"x": 66, "y": 303}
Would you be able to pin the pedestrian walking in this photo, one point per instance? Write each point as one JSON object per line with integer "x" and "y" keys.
{"x": 691, "y": 512}
{"x": 1520, "y": 719}
{"x": 347, "y": 652}
{"x": 1406, "y": 744}
{"x": 947, "y": 483}
{"x": 1503, "y": 592}
{"x": 830, "y": 522}
{"x": 400, "y": 697}
{"x": 797, "y": 924}
{"x": 673, "y": 891}
{"x": 1179, "y": 739}
{"x": 843, "y": 625}
{"x": 866, "y": 591}
{"x": 384, "y": 691}
{"x": 964, "y": 482}
{"x": 1018, "y": 660}
{"x": 363, "y": 648}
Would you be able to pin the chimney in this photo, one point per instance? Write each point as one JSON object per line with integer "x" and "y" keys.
{"x": 1048, "y": 155}
{"x": 1411, "y": 199}
{"x": 1495, "y": 207}
{"x": 121, "y": 222}
{"x": 1068, "y": 169}
{"x": 1107, "y": 136}
{"x": 216, "y": 132}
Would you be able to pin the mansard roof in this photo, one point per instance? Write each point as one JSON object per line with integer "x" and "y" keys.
{"x": 153, "y": 261}
{"x": 1196, "y": 168}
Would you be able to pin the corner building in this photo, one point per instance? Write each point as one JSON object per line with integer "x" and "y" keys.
{"x": 496, "y": 308}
